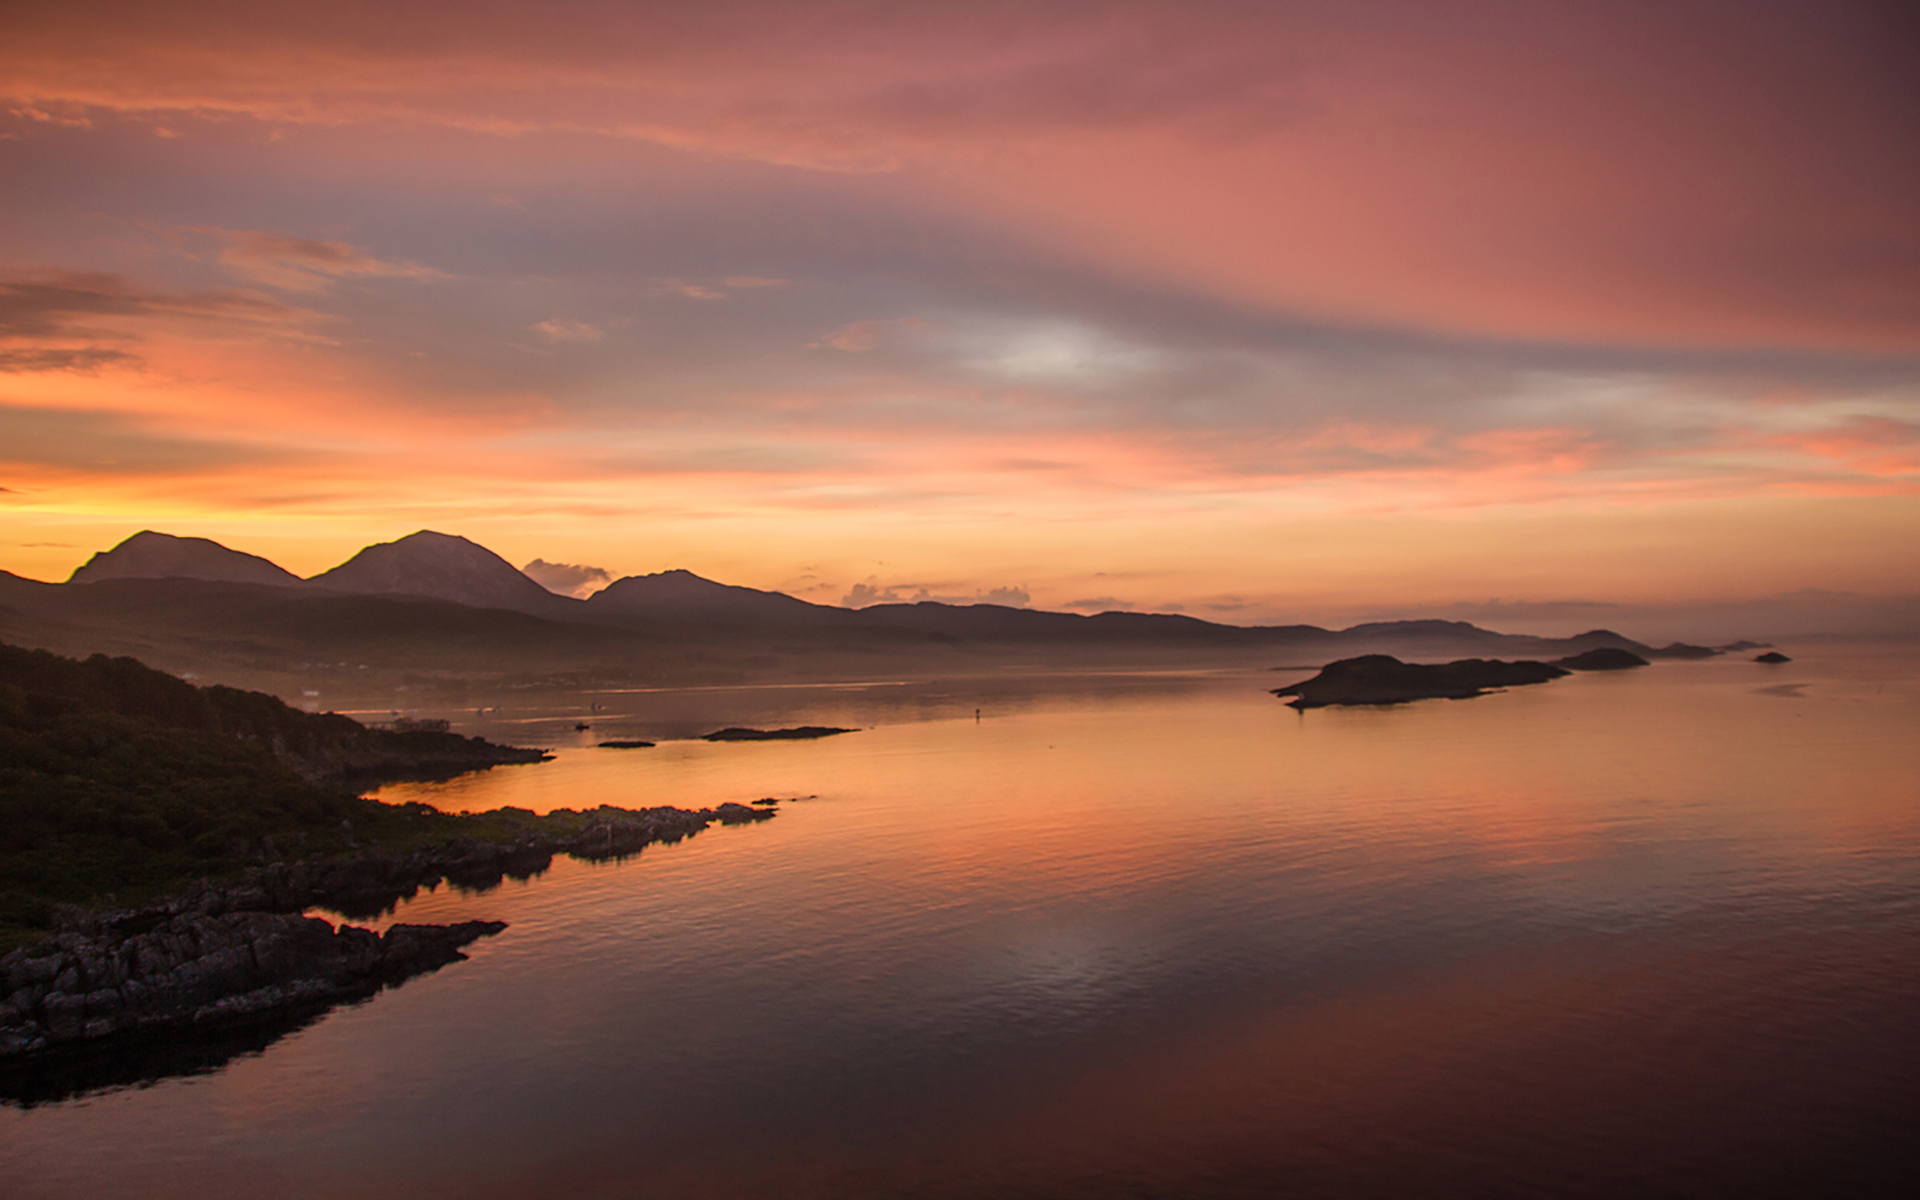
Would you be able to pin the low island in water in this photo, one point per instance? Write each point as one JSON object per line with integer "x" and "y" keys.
{"x": 1384, "y": 679}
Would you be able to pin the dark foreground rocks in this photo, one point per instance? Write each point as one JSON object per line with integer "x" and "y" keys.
{"x": 1383, "y": 679}
{"x": 520, "y": 845}
{"x": 242, "y": 951}
{"x": 736, "y": 734}
{"x": 1606, "y": 658}
{"x": 198, "y": 970}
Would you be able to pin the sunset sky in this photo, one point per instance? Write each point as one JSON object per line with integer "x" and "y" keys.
{"x": 1257, "y": 311}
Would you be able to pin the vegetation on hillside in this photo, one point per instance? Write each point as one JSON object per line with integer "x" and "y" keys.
{"x": 118, "y": 781}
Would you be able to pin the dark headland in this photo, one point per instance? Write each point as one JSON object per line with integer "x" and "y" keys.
{"x": 160, "y": 843}
{"x": 1383, "y": 679}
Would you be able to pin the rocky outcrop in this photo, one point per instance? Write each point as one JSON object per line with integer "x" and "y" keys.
{"x": 198, "y": 969}
{"x": 366, "y": 884}
{"x": 223, "y": 952}
{"x": 1383, "y": 679}
{"x": 1772, "y": 656}
{"x": 736, "y": 734}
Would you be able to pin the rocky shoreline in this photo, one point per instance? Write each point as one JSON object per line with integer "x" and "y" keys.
{"x": 195, "y": 970}
{"x": 217, "y": 954}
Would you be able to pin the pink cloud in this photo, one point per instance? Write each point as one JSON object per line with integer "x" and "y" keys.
{"x": 858, "y": 337}
{"x": 1625, "y": 171}
{"x": 562, "y": 329}
{"x": 1878, "y": 446}
{"x": 298, "y": 264}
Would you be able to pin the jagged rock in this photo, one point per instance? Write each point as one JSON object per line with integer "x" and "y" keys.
{"x": 196, "y": 969}
{"x": 217, "y": 953}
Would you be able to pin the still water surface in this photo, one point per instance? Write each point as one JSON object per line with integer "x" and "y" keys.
{"x": 1653, "y": 933}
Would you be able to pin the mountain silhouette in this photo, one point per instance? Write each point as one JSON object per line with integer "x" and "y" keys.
{"x": 443, "y": 567}
{"x": 1000, "y": 622}
{"x": 683, "y": 596}
{"x": 150, "y": 555}
{"x": 431, "y": 601}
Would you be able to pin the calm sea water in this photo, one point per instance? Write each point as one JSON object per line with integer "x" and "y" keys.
{"x": 1652, "y": 933}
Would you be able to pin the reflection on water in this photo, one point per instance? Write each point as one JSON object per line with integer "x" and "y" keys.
{"x": 83, "y": 1069}
{"x": 1650, "y": 933}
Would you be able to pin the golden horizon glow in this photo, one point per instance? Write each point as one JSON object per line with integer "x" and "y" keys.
{"x": 1256, "y": 314}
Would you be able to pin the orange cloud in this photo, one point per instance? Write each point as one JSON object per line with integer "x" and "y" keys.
{"x": 561, "y": 329}
{"x": 1877, "y": 446}
{"x": 858, "y": 337}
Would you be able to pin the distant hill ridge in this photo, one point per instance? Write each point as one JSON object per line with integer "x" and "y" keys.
{"x": 444, "y": 567}
{"x": 682, "y": 595}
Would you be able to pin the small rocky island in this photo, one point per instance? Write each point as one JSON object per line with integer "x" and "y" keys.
{"x": 1683, "y": 650}
{"x": 1772, "y": 656}
{"x": 1604, "y": 658}
{"x": 1383, "y": 679}
{"x": 802, "y": 733}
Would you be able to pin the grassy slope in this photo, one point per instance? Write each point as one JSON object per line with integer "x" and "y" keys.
{"x": 118, "y": 780}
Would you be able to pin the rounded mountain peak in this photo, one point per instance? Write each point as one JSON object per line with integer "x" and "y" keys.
{"x": 442, "y": 566}
{"x": 153, "y": 555}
